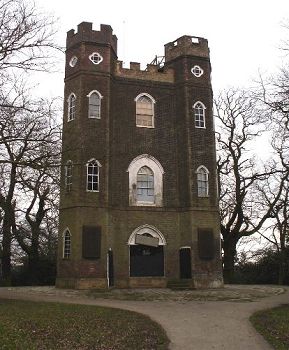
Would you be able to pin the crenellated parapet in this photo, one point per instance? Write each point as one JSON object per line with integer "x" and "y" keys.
{"x": 86, "y": 34}
{"x": 152, "y": 72}
{"x": 187, "y": 45}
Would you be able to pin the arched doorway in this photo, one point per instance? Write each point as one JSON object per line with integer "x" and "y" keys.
{"x": 146, "y": 251}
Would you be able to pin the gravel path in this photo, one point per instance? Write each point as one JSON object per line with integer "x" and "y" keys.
{"x": 191, "y": 324}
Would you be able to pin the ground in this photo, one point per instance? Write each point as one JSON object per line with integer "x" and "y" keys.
{"x": 197, "y": 320}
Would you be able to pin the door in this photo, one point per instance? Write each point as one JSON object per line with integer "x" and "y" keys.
{"x": 110, "y": 275}
{"x": 185, "y": 263}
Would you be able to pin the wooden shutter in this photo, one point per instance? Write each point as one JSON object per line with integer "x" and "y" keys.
{"x": 91, "y": 242}
{"x": 206, "y": 243}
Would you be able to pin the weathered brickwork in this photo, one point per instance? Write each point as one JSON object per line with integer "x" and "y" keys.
{"x": 115, "y": 141}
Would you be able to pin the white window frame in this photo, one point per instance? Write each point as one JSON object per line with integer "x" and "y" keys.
{"x": 95, "y": 58}
{"x": 197, "y": 71}
{"x": 146, "y": 188}
{"x": 68, "y": 176}
{"x": 206, "y": 172}
{"x": 66, "y": 255}
{"x": 73, "y": 61}
{"x": 197, "y": 121}
{"x": 153, "y": 110}
{"x": 71, "y": 109}
{"x": 100, "y": 98}
{"x": 96, "y": 163}
{"x": 158, "y": 171}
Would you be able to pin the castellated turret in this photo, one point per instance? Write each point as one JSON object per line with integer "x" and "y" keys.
{"x": 139, "y": 203}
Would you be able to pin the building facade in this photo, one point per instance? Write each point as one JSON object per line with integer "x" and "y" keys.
{"x": 139, "y": 205}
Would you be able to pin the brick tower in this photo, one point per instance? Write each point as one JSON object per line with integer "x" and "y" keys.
{"x": 139, "y": 203}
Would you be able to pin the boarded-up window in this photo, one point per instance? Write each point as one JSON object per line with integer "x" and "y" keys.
{"x": 146, "y": 261}
{"x": 206, "y": 243}
{"x": 91, "y": 242}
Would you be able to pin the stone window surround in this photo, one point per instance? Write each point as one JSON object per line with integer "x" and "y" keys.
{"x": 68, "y": 175}
{"x": 66, "y": 254}
{"x": 204, "y": 115}
{"x": 157, "y": 169}
{"x": 97, "y": 163}
{"x": 100, "y": 97}
{"x": 95, "y": 58}
{"x": 71, "y": 110}
{"x": 151, "y": 230}
{"x": 197, "y": 71}
{"x": 153, "y": 109}
{"x": 202, "y": 167}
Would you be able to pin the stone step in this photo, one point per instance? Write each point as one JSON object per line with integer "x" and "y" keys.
{"x": 181, "y": 284}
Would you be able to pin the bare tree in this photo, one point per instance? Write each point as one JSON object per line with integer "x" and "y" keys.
{"x": 239, "y": 123}
{"x": 29, "y": 143}
{"x": 26, "y": 127}
{"x": 277, "y": 229}
{"x": 26, "y": 36}
{"x": 40, "y": 187}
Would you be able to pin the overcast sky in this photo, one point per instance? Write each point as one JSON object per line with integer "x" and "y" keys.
{"x": 244, "y": 36}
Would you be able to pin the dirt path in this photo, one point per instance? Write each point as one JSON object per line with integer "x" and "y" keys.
{"x": 190, "y": 325}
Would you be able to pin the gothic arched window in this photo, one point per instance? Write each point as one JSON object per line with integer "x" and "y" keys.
{"x": 199, "y": 113}
{"x": 203, "y": 181}
{"x": 94, "y": 104}
{"x": 92, "y": 183}
{"x": 66, "y": 244}
{"x": 145, "y": 185}
{"x": 145, "y": 176}
{"x": 145, "y": 111}
{"x": 68, "y": 176}
{"x": 71, "y": 106}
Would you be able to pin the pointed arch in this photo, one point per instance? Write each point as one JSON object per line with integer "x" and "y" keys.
{"x": 202, "y": 181}
{"x": 147, "y": 229}
{"x": 68, "y": 175}
{"x": 92, "y": 175}
{"x": 66, "y": 236}
{"x": 151, "y": 181}
{"x": 94, "y": 104}
{"x": 71, "y": 106}
{"x": 199, "y": 114}
{"x": 145, "y": 110}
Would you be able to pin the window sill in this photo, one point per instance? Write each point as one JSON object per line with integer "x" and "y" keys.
{"x": 200, "y": 127}
{"x": 143, "y": 126}
{"x": 145, "y": 204}
{"x": 94, "y": 118}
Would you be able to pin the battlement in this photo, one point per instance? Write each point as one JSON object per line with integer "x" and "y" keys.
{"x": 187, "y": 45}
{"x": 152, "y": 72}
{"x": 86, "y": 34}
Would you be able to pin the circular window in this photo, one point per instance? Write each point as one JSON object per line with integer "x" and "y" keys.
{"x": 73, "y": 61}
{"x": 96, "y": 58}
{"x": 197, "y": 71}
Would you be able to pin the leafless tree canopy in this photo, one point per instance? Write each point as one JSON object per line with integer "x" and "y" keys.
{"x": 29, "y": 136}
{"x": 241, "y": 119}
{"x": 26, "y": 36}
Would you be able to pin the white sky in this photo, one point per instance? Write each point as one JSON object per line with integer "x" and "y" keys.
{"x": 244, "y": 36}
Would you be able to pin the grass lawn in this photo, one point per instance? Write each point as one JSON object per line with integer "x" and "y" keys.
{"x": 273, "y": 324}
{"x": 37, "y": 325}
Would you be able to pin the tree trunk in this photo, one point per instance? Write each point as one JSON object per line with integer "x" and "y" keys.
{"x": 6, "y": 253}
{"x": 229, "y": 247}
{"x": 281, "y": 267}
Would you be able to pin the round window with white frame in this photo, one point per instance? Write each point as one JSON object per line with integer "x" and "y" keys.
{"x": 73, "y": 61}
{"x": 197, "y": 71}
{"x": 96, "y": 58}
